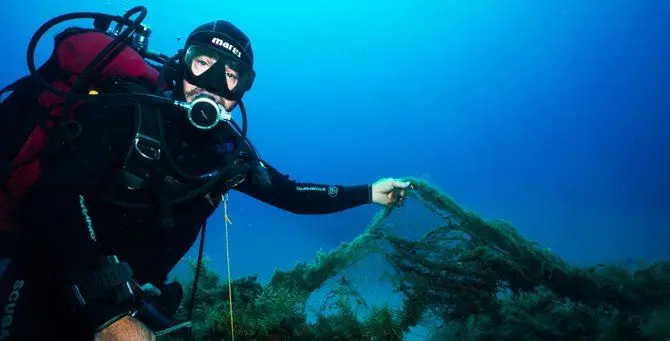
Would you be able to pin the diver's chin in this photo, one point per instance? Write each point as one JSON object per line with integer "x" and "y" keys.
{"x": 228, "y": 105}
{"x": 228, "y": 109}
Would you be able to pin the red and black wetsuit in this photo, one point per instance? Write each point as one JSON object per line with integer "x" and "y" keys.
{"x": 55, "y": 240}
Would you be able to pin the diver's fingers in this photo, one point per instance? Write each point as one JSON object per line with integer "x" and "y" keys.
{"x": 150, "y": 289}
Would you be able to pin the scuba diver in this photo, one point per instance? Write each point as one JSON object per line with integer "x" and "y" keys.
{"x": 113, "y": 158}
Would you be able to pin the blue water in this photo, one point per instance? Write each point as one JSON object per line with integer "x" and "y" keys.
{"x": 553, "y": 115}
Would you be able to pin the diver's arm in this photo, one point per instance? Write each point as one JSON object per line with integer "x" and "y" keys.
{"x": 305, "y": 198}
{"x": 65, "y": 236}
{"x": 127, "y": 328}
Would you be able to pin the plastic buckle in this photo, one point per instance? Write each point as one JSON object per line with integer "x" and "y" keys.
{"x": 76, "y": 298}
{"x": 149, "y": 148}
{"x": 125, "y": 292}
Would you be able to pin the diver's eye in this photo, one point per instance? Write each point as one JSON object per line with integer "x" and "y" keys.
{"x": 231, "y": 75}
{"x": 201, "y": 64}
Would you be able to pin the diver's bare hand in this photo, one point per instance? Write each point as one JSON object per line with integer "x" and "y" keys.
{"x": 384, "y": 191}
{"x": 126, "y": 329}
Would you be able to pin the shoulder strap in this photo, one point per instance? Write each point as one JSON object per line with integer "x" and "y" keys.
{"x": 142, "y": 178}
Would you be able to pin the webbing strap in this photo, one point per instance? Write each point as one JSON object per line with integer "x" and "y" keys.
{"x": 98, "y": 284}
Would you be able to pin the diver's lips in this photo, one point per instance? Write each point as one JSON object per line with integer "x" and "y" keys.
{"x": 205, "y": 92}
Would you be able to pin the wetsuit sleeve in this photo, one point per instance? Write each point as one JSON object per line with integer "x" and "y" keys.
{"x": 65, "y": 249}
{"x": 62, "y": 235}
{"x": 305, "y": 198}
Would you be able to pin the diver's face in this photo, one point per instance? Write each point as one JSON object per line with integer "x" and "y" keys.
{"x": 201, "y": 64}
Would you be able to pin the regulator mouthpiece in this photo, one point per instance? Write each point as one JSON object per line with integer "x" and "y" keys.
{"x": 204, "y": 112}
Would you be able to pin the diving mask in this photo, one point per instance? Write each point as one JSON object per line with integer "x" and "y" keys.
{"x": 217, "y": 70}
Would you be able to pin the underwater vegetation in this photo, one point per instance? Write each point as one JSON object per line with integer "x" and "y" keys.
{"x": 472, "y": 279}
